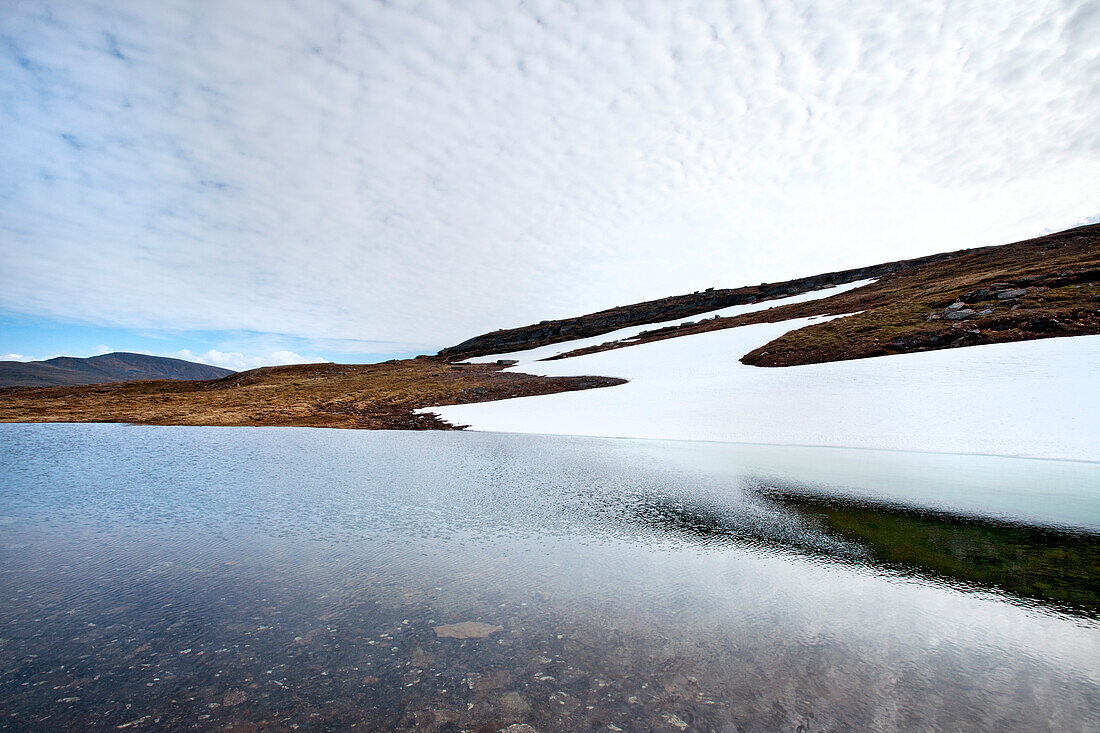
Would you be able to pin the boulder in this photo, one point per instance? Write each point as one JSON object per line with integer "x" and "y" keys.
{"x": 960, "y": 315}
{"x": 1011, "y": 293}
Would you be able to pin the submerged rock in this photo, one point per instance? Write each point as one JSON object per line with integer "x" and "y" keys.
{"x": 466, "y": 630}
{"x": 513, "y": 703}
{"x": 234, "y": 697}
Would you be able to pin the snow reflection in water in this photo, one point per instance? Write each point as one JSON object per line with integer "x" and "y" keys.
{"x": 281, "y": 577}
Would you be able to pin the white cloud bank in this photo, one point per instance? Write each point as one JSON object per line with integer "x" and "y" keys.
{"x": 234, "y": 360}
{"x": 239, "y": 362}
{"x": 420, "y": 172}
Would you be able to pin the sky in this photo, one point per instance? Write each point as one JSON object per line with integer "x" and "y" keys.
{"x": 268, "y": 182}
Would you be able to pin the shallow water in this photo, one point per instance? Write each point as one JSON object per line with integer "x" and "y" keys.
{"x": 273, "y": 579}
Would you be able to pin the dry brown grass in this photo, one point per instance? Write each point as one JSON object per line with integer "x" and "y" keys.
{"x": 370, "y": 396}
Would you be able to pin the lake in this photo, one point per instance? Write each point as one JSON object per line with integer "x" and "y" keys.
{"x": 246, "y": 579}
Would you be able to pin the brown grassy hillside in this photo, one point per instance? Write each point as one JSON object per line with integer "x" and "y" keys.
{"x": 1037, "y": 288}
{"x": 371, "y": 396}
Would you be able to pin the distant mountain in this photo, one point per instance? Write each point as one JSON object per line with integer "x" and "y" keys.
{"x": 119, "y": 366}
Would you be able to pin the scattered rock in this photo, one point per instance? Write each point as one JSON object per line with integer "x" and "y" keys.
{"x": 518, "y": 728}
{"x": 674, "y": 720}
{"x": 233, "y": 697}
{"x": 985, "y": 312}
{"x": 481, "y": 390}
{"x": 1009, "y": 294}
{"x": 981, "y": 294}
{"x": 466, "y": 630}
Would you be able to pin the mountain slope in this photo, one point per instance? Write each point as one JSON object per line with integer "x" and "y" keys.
{"x": 667, "y": 309}
{"x": 119, "y": 366}
{"x": 1036, "y": 288}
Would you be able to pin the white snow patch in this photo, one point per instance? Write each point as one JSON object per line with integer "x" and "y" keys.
{"x": 1029, "y": 398}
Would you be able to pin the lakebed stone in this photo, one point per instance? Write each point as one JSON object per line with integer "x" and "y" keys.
{"x": 466, "y": 630}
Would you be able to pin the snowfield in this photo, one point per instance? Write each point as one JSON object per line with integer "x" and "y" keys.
{"x": 1036, "y": 399}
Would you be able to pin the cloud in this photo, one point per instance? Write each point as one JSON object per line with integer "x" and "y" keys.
{"x": 240, "y": 362}
{"x": 422, "y": 172}
{"x": 234, "y": 360}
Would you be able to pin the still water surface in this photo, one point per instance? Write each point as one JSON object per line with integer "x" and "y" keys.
{"x": 294, "y": 579}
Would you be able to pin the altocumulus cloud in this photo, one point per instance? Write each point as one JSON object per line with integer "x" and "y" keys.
{"x": 417, "y": 172}
{"x": 239, "y": 362}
